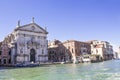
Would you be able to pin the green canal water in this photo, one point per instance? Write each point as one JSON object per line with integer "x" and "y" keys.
{"x": 108, "y": 70}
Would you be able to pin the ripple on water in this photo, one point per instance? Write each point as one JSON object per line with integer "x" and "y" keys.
{"x": 97, "y": 71}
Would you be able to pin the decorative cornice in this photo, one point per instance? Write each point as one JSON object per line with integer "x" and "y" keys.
{"x": 21, "y": 55}
{"x": 18, "y": 28}
{"x": 30, "y": 31}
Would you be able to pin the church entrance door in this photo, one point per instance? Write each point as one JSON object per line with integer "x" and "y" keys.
{"x": 32, "y": 55}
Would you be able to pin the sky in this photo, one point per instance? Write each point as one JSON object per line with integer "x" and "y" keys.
{"x": 81, "y": 20}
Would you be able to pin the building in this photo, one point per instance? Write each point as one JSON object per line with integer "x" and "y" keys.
{"x": 5, "y": 54}
{"x": 70, "y": 50}
{"x": 28, "y": 43}
{"x": 57, "y": 52}
{"x": 117, "y": 54}
{"x": 79, "y": 50}
{"x": 101, "y": 50}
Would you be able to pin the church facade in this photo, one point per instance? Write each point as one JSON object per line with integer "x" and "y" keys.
{"x": 28, "y": 43}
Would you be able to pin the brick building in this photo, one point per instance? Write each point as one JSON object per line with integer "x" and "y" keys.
{"x": 70, "y": 50}
{"x": 57, "y": 52}
{"x": 77, "y": 49}
{"x": 5, "y": 54}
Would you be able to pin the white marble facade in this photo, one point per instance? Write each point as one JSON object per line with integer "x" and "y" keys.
{"x": 28, "y": 44}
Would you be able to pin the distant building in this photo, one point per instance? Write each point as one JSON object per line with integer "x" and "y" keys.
{"x": 102, "y": 50}
{"x": 57, "y": 52}
{"x": 72, "y": 50}
{"x": 28, "y": 43}
{"x": 77, "y": 49}
{"x": 116, "y": 55}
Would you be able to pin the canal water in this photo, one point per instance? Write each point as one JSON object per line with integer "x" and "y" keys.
{"x": 108, "y": 70}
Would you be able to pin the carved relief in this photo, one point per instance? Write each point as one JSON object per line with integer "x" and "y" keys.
{"x": 38, "y": 45}
{"x": 21, "y": 42}
{"x": 32, "y": 28}
{"x": 32, "y": 43}
{"x": 21, "y": 50}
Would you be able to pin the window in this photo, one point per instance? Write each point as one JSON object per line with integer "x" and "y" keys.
{"x": 68, "y": 47}
{"x": 32, "y": 38}
{"x": 44, "y": 37}
{"x": 0, "y": 52}
{"x": 0, "y": 61}
{"x": 4, "y": 61}
{"x": 21, "y": 50}
{"x": 91, "y": 51}
{"x": 72, "y": 50}
{"x": 84, "y": 50}
{"x": 24, "y": 35}
{"x": 53, "y": 51}
{"x": 10, "y": 52}
{"x": 42, "y": 51}
{"x": 38, "y": 37}
{"x": 76, "y": 50}
{"x": 83, "y": 45}
{"x": 9, "y": 61}
{"x": 80, "y": 51}
{"x": 96, "y": 51}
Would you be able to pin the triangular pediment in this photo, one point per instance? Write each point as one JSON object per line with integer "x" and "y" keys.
{"x": 33, "y": 27}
